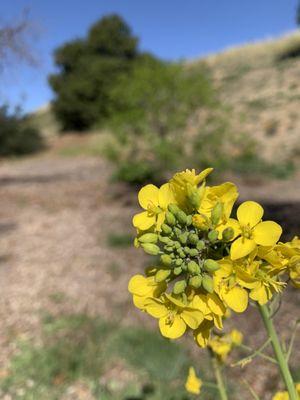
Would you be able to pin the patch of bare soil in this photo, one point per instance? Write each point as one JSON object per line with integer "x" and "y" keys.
{"x": 55, "y": 216}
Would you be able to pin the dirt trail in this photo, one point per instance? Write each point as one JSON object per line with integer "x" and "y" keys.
{"x": 55, "y": 216}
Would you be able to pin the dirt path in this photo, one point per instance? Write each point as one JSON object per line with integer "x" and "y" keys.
{"x": 55, "y": 216}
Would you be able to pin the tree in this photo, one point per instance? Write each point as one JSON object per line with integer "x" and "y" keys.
{"x": 88, "y": 70}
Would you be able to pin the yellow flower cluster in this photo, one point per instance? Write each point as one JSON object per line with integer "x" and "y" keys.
{"x": 285, "y": 395}
{"x": 206, "y": 261}
{"x": 223, "y": 345}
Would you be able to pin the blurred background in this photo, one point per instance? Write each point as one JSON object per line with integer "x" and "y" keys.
{"x": 98, "y": 98}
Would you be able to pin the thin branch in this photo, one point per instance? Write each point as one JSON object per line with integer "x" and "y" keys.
{"x": 255, "y": 353}
{"x": 251, "y": 390}
{"x": 293, "y": 337}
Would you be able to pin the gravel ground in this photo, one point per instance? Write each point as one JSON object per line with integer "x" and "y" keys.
{"x": 55, "y": 216}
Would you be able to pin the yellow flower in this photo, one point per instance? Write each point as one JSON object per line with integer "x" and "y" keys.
{"x": 226, "y": 194}
{"x": 227, "y": 285}
{"x": 185, "y": 186}
{"x": 142, "y": 288}
{"x": 193, "y": 383}
{"x": 154, "y": 201}
{"x": 174, "y": 316}
{"x": 285, "y": 395}
{"x": 222, "y": 345}
{"x": 251, "y": 230}
{"x": 236, "y": 337}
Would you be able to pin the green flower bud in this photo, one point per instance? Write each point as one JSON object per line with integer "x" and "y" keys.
{"x": 213, "y": 236}
{"x": 169, "y": 249}
{"x": 179, "y": 287}
{"x": 228, "y": 234}
{"x": 151, "y": 248}
{"x": 183, "y": 238}
{"x": 166, "y": 229}
{"x": 177, "y": 271}
{"x": 208, "y": 283}
{"x": 194, "y": 252}
{"x": 177, "y": 231}
{"x": 177, "y": 245}
{"x": 193, "y": 238}
{"x": 166, "y": 259}
{"x": 195, "y": 281}
{"x": 173, "y": 208}
{"x": 181, "y": 217}
{"x": 162, "y": 274}
{"x": 211, "y": 265}
{"x": 181, "y": 253}
{"x": 193, "y": 267}
{"x": 165, "y": 239}
{"x": 186, "y": 250}
{"x": 189, "y": 220}
{"x": 216, "y": 213}
{"x": 184, "y": 267}
{"x": 200, "y": 245}
{"x": 193, "y": 196}
{"x": 148, "y": 238}
{"x": 170, "y": 218}
{"x": 178, "y": 262}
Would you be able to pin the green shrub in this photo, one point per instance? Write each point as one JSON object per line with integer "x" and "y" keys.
{"x": 88, "y": 69}
{"x": 17, "y": 136}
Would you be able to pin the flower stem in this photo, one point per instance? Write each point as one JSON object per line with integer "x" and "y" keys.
{"x": 218, "y": 375}
{"x": 282, "y": 361}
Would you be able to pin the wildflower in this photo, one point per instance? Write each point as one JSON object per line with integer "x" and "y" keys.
{"x": 193, "y": 383}
{"x": 223, "y": 345}
{"x": 154, "y": 201}
{"x": 174, "y": 316}
{"x": 284, "y": 395}
{"x": 251, "y": 231}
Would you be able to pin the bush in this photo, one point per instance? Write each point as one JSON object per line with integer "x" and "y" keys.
{"x": 153, "y": 108}
{"x": 17, "y": 136}
{"x": 88, "y": 69}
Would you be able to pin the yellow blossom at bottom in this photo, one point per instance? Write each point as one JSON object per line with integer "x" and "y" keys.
{"x": 285, "y": 395}
{"x": 193, "y": 383}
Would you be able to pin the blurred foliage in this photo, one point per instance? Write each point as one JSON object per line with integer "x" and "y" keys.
{"x": 111, "y": 362}
{"x": 120, "y": 239}
{"x": 88, "y": 69}
{"x": 17, "y": 135}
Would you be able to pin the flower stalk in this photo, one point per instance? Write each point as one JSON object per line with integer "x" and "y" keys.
{"x": 218, "y": 375}
{"x": 281, "y": 359}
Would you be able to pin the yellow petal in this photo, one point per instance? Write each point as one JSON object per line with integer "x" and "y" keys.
{"x": 218, "y": 322}
{"x": 148, "y": 195}
{"x": 172, "y": 330}
{"x": 250, "y": 213}
{"x": 215, "y": 304}
{"x": 156, "y": 308}
{"x": 202, "y": 334}
{"x": 241, "y": 247}
{"x": 267, "y": 233}
{"x": 203, "y": 174}
{"x": 160, "y": 220}
{"x": 260, "y": 295}
{"x": 139, "y": 301}
{"x": 139, "y": 285}
{"x": 192, "y": 318}
{"x": 236, "y": 298}
{"x": 165, "y": 196}
{"x": 142, "y": 221}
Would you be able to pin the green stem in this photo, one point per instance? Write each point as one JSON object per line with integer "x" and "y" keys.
{"x": 282, "y": 362}
{"x": 218, "y": 375}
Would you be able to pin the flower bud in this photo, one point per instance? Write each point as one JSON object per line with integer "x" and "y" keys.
{"x": 194, "y": 252}
{"x": 228, "y": 234}
{"x": 170, "y": 218}
{"x": 195, "y": 281}
{"x": 177, "y": 245}
{"x": 183, "y": 238}
{"x": 168, "y": 248}
{"x": 165, "y": 239}
{"x": 211, "y": 265}
{"x": 200, "y": 245}
{"x": 181, "y": 217}
{"x": 178, "y": 262}
{"x": 166, "y": 229}
{"x": 193, "y": 267}
{"x": 162, "y": 274}
{"x": 173, "y": 208}
{"x": 213, "y": 236}
{"x": 189, "y": 220}
{"x": 216, "y": 213}
{"x": 186, "y": 250}
{"x": 208, "y": 283}
{"x": 179, "y": 287}
{"x": 181, "y": 253}
{"x": 166, "y": 259}
{"x": 193, "y": 238}
{"x": 177, "y": 271}
{"x": 148, "y": 238}
{"x": 151, "y": 248}
{"x": 201, "y": 222}
{"x": 193, "y": 196}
